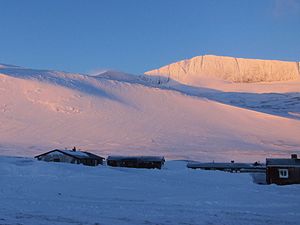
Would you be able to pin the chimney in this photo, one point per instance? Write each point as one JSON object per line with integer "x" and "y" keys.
{"x": 294, "y": 156}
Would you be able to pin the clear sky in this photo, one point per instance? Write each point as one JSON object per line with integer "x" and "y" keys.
{"x": 139, "y": 35}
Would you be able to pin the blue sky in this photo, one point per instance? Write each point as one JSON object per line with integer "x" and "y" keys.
{"x": 139, "y": 35}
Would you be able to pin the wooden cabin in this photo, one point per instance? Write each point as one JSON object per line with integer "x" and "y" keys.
{"x": 283, "y": 170}
{"x": 150, "y": 162}
{"x": 71, "y": 156}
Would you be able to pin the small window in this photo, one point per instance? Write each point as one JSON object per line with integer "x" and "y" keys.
{"x": 283, "y": 173}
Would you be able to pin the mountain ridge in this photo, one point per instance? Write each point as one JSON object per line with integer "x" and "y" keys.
{"x": 240, "y": 70}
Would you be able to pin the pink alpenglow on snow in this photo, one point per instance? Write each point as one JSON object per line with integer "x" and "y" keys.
{"x": 116, "y": 113}
{"x": 230, "y": 69}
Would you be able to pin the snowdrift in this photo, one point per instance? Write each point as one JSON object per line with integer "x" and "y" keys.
{"x": 230, "y": 69}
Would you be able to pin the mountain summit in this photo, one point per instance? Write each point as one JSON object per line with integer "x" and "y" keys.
{"x": 230, "y": 69}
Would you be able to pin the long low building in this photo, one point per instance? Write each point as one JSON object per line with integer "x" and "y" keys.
{"x": 230, "y": 167}
{"x": 150, "y": 162}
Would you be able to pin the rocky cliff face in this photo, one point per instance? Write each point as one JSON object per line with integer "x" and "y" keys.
{"x": 230, "y": 68}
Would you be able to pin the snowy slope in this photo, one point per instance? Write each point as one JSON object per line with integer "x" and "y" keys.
{"x": 230, "y": 69}
{"x": 123, "y": 114}
{"x": 34, "y": 192}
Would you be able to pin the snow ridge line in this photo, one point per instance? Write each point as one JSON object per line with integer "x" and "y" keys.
{"x": 183, "y": 69}
{"x": 238, "y": 66}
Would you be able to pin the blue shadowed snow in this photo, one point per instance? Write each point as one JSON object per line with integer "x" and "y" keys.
{"x": 34, "y": 192}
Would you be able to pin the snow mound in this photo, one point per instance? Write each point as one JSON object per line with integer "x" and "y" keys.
{"x": 132, "y": 78}
{"x": 117, "y": 75}
{"x": 230, "y": 69}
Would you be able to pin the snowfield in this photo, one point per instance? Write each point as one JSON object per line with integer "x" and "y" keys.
{"x": 34, "y": 192}
{"x": 117, "y": 113}
{"x": 181, "y": 117}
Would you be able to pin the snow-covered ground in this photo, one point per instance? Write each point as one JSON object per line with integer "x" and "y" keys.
{"x": 34, "y": 192}
{"x": 114, "y": 113}
{"x": 117, "y": 113}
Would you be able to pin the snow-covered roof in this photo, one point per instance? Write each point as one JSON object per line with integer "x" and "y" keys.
{"x": 79, "y": 154}
{"x": 282, "y": 162}
{"x": 91, "y": 155}
{"x": 75, "y": 154}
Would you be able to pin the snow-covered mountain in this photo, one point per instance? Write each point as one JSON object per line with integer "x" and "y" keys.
{"x": 117, "y": 113}
{"x": 230, "y": 69}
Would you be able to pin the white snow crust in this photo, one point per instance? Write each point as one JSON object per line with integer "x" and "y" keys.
{"x": 34, "y": 192}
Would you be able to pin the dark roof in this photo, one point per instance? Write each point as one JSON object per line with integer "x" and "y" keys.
{"x": 282, "y": 162}
{"x": 74, "y": 154}
{"x": 141, "y": 158}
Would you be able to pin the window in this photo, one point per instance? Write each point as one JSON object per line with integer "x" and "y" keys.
{"x": 283, "y": 173}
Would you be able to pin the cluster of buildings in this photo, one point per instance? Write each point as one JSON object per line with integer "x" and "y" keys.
{"x": 279, "y": 171}
{"x": 90, "y": 159}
